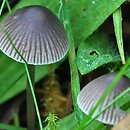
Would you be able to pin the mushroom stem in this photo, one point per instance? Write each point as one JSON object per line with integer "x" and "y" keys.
{"x": 30, "y": 102}
{"x": 52, "y": 72}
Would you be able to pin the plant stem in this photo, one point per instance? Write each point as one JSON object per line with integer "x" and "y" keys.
{"x": 8, "y": 6}
{"x": 29, "y": 79}
{"x": 52, "y": 74}
{"x": 30, "y": 104}
{"x": 16, "y": 119}
{"x": 75, "y": 85}
{"x": 2, "y": 6}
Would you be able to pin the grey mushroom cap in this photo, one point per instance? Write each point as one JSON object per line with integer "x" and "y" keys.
{"x": 92, "y": 92}
{"x": 37, "y": 34}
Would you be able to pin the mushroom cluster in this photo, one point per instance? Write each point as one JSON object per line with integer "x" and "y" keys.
{"x": 93, "y": 91}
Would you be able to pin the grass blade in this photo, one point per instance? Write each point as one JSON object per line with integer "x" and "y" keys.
{"x": 29, "y": 79}
{"x": 10, "y": 127}
{"x": 75, "y": 85}
{"x": 117, "y": 21}
{"x": 2, "y": 6}
{"x": 8, "y": 6}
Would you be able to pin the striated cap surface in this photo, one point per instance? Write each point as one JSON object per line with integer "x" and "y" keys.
{"x": 37, "y": 33}
{"x": 93, "y": 91}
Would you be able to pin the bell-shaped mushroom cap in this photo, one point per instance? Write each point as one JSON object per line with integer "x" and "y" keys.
{"x": 92, "y": 92}
{"x": 37, "y": 34}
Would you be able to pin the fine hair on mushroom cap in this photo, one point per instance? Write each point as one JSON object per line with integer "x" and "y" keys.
{"x": 37, "y": 34}
{"x": 93, "y": 91}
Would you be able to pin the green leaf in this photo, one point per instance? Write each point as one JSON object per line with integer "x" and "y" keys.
{"x": 53, "y": 5}
{"x": 10, "y": 127}
{"x": 88, "y": 15}
{"x": 13, "y": 77}
{"x": 96, "y": 51}
{"x": 124, "y": 102}
{"x": 71, "y": 123}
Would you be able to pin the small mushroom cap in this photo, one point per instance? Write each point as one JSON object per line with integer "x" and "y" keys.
{"x": 92, "y": 92}
{"x": 37, "y": 33}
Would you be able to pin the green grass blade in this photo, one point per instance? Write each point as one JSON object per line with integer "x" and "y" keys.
{"x": 75, "y": 85}
{"x": 2, "y": 6}
{"x": 117, "y": 21}
{"x": 11, "y": 42}
{"x": 16, "y": 119}
{"x": 10, "y": 127}
{"x": 8, "y": 6}
{"x": 29, "y": 79}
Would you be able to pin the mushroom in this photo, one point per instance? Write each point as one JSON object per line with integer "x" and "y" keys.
{"x": 93, "y": 91}
{"x": 38, "y": 35}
